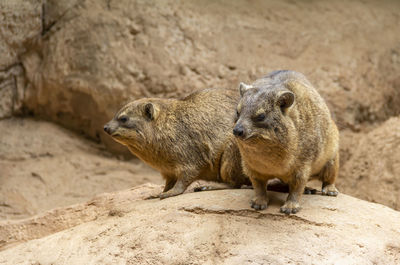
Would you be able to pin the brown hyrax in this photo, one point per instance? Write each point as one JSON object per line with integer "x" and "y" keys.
{"x": 284, "y": 130}
{"x": 186, "y": 140}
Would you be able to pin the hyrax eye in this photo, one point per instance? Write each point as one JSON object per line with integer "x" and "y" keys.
{"x": 123, "y": 119}
{"x": 260, "y": 117}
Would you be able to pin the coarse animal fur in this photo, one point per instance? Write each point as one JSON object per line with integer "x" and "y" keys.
{"x": 284, "y": 130}
{"x": 185, "y": 139}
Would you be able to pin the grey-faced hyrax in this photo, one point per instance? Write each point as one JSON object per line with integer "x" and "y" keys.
{"x": 285, "y": 130}
{"x": 184, "y": 139}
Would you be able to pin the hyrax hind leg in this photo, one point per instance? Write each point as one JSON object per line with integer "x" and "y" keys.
{"x": 328, "y": 176}
{"x": 296, "y": 189}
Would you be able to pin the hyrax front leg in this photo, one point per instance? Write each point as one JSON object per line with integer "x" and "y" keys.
{"x": 296, "y": 189}
{"x": 180, "y": 186}
{"x": 260, "y": 201}
{"x": 328, "y": 177}
{"x": 169, "y": 183}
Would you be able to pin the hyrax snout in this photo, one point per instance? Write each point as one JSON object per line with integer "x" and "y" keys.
{"x": 284, "y": 130}
{"x": 185, "y": 139}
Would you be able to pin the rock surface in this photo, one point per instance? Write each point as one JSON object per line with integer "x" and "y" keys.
{"x": 20, "y": 25}
{"x": 371, "y": 169}
{"x": 215, "y": 227}
{"x": 16, "y": 231}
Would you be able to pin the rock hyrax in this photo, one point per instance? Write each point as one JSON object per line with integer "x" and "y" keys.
{"x": 186, "y": 140}
{"x": 284, "y": 129}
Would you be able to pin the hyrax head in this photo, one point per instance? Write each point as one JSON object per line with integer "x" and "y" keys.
{"x": 133, "y": 124}
{"x": 261, "y": 112}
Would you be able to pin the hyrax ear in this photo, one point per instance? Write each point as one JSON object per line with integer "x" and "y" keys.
{"x": 150, "y": 111}
{"x": 243, "y": 88}
{"x": 285, "y": 100}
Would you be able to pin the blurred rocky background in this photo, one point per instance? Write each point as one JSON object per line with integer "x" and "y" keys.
{"x": 67, "y": 66}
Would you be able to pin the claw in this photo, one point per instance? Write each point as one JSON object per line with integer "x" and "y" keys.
{"x": 152, "y": 197}
{"x": 259, "y": 204}
{"x": 167, "y": 194}
{"x": 330, "y": 190}
{"x": 202, "y": 188}
{"x": 290, "y": 207}
{"x": 308, "y": 190}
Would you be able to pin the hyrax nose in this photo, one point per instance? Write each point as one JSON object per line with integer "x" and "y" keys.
{"x": 107, "y": 129}
{"x": 238, "y": 131}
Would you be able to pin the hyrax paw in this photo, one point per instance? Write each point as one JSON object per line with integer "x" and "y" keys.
{"x": 167, "y": 194}
{"x": 152, "y": 197}
{"x": 259, "y": 204}
{"x": 308, "y": 190}
{"x": 290, "y": 207}
{"x": 330, "y": 190}
{"x": 202, "y": 188}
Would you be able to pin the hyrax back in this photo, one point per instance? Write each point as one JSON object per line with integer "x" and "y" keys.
{"x": 185, "y": 140}
{"x": 284, "y": 129}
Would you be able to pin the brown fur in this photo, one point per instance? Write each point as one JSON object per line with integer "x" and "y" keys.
{"x": 285, "y": 130}
{"x": 185, "y": 140}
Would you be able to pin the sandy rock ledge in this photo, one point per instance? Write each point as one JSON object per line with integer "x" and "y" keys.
{"x": 214, "y": 227}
